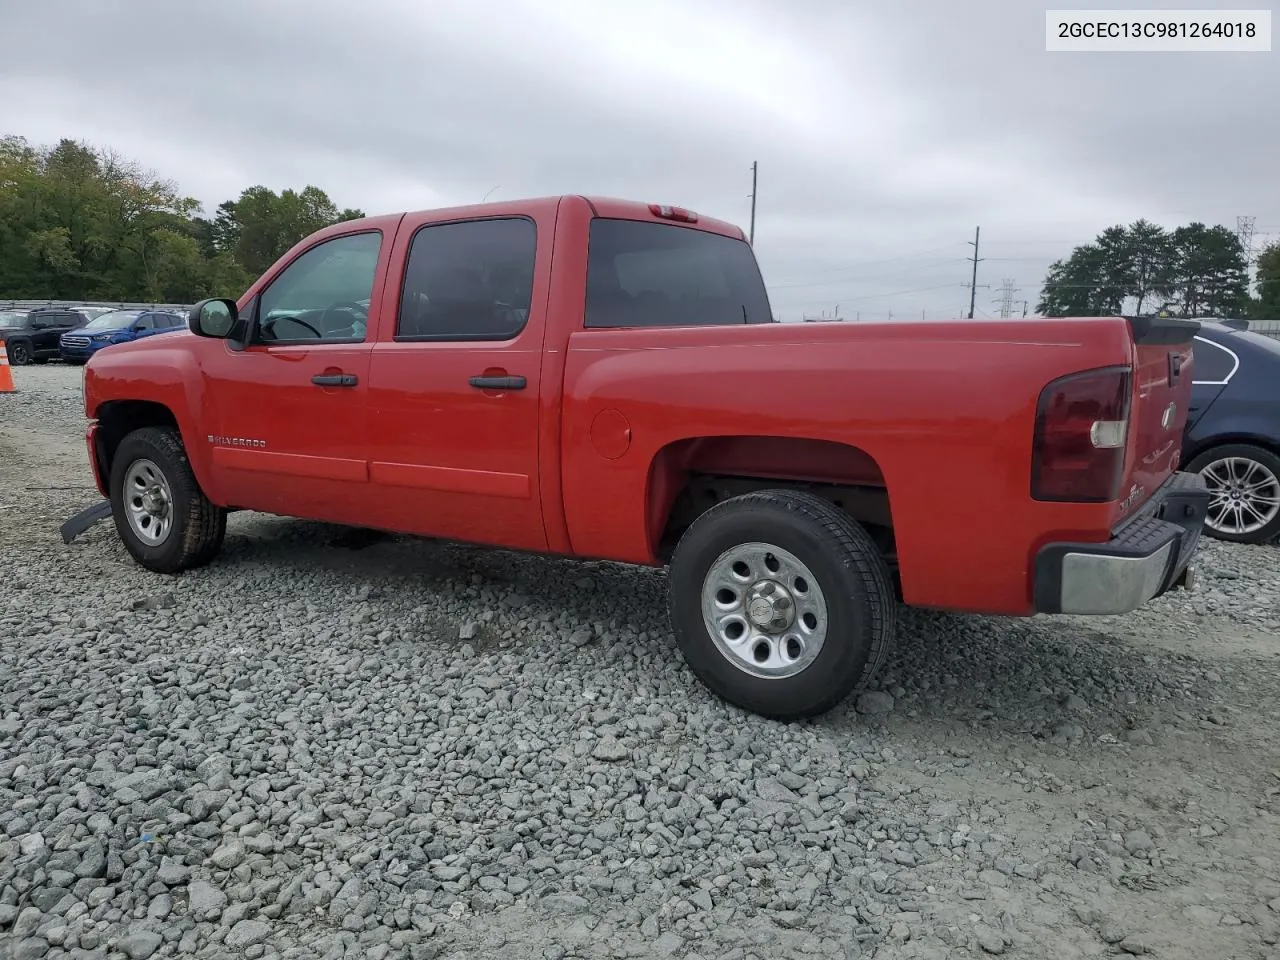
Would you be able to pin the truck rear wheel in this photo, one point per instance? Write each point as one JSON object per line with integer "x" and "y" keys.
{"x": 163, "y": 517}
{"x": 781, "y": 603}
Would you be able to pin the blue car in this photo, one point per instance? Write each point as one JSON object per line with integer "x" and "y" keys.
{"x": 1232, "y": 436}
{"x": 118, "y": 326}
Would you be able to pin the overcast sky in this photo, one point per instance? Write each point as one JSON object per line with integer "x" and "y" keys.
{"x": 885, "y": 132}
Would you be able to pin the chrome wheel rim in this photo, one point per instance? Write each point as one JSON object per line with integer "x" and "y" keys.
{"x": 148, "y": 503}
{"x": 1244, "y": 495}
{"x": 764, "y": 610}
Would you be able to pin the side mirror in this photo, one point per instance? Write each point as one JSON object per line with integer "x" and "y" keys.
{"x": 214, "y": 318}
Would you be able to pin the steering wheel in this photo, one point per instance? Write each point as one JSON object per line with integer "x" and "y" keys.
{"x": 362, "y": 310}
{"x": 269, "y": 326}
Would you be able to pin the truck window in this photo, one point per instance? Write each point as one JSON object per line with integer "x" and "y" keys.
{"x": 323, "y": 295}
{"x": 662, "y": 275}
{"x": 470, "y": 280}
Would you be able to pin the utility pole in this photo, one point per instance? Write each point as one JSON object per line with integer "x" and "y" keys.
{"x": 751, "y": 235}
{"x": 1024, "y": 308}
{"x": 973, "y": 284}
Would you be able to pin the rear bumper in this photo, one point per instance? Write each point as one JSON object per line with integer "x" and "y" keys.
{"x": 1151, "y": 554}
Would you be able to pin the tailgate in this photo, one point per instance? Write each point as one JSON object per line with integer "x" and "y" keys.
{"x": 1158, "y": 411}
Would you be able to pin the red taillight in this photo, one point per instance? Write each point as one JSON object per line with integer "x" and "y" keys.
{"x": 667, "y": 212}
{"x": 1082, "y": 424}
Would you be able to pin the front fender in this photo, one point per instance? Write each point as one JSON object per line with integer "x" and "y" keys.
{"x": 169, "y": 377}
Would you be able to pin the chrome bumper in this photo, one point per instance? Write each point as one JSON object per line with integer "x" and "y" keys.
{"x": 1151, "y": 554}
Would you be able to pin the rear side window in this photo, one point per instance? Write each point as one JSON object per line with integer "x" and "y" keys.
{"x": 661, "y": 275}
{"x": 468, "y": 280}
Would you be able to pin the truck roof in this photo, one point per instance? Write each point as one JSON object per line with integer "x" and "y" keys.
{"x": 601, "y": 207}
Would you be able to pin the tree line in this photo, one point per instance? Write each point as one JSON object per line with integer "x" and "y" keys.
{"x": 78, "y": 222}
{"x": 1191, "y": 271}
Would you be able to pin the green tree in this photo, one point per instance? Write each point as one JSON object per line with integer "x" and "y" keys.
{"x": 1267, "y": 306}
{"x": 1213, "y": 275}
{"x": 1193, "y": 271}
{"x": 1124, "y": 265}
{"x": 1077, "y": 286}
{"x": 82, "y": 223}
{"x": 260, "y": 226}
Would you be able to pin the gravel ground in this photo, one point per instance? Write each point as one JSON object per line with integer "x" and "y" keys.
{"x": 326, "y": 746}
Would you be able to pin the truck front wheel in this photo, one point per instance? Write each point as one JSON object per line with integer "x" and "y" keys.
{"x": 781, "y": 603}
{"x": 163, "y": 517}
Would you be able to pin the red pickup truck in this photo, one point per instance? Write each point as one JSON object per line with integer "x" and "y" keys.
{"x": 604, "y": 379}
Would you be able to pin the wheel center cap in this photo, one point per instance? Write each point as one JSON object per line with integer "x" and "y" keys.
{"x": 770, "y": 607}
{"x": 153, "y": 502}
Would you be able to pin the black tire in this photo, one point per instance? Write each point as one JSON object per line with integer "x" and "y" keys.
{"x": 19, "y": 352}
{"x": 850, "y": 572}
{"x": 1265, "y": 459}
{"x": 198, "y": 525}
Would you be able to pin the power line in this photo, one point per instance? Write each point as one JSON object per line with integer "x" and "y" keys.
{"x": 934, "y": 265}
{"x": 877, "y": 296}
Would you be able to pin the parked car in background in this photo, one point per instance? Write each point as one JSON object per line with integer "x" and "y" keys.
{"x": 118, "y": 326}
{"x": 92, "y": 313}
{"x": 1232, "y": 436}
{"x": 32, "y": 337}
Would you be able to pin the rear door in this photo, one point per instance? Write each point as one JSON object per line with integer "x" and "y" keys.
{"x": 51, "y": 326}
{"x": 1215, "y": 365}
{"x": 455, "y": 379}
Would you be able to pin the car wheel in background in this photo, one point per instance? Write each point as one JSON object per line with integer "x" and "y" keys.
{"x": 1244, "y": 488}
{"x": 781, "y": 603}
{"x": 19, "y": 352}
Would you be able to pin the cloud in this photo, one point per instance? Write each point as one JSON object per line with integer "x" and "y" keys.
{"x": 884, "y": 134}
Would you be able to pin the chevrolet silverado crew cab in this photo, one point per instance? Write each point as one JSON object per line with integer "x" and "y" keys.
{"x": 604, "y": 379}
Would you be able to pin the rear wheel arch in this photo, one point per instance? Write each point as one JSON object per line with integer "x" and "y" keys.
{"x": 1269, "y": 444}
{"x": 690, "y": 476}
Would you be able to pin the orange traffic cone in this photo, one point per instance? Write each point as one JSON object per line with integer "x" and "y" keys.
{"x": 6, "y": 375}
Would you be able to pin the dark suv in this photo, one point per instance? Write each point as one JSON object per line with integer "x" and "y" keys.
{"x": 33, "y": 338}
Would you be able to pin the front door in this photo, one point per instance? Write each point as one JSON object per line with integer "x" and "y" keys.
{"x": 454, "y": 382}
{"x": 291, "y": 407}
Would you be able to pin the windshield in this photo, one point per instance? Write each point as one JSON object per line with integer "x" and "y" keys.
{"x": 10, "y": 319}
{"x": 115, "y": 320}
